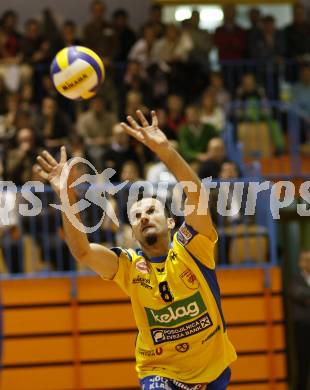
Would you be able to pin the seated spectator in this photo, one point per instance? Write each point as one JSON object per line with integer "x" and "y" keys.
{"x": 300, "y": 294}
{"x": 210, "y": 113}
{"x": 19, "y": 161}
{"x": 217, "y": 88}
{"x": 175, "y": 116}
{"x": 99, "y": 34}
{"x": 119, "y": 152}
{"x": 141, "y": 51}
{"x": 95, "y": 127}
{"x": 53, "y": 125}
{"x": 297, "y": 47}
{"x": 125, "y": 35}
{"x": 213, "y": 159}
{"x": 194, "y": 136}
{"x": 254, "y": 108}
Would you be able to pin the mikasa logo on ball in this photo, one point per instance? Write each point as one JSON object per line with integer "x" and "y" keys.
{"x": 178, "y": 312}
{"x": 72, "y": 84}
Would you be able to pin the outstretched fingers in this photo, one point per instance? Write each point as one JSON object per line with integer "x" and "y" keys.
{"x": 40, "y": 171}
{"x": 63, "y": 155}
{"x": 136, "y": 133}
{"x": 44, "y": 163}
{"x": 142, "y": 118}
{"x": 154, "y": 119}
{"x": 49, "y": 158}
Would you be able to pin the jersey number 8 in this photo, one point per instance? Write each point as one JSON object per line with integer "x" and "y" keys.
{"x": 165, "y": 293}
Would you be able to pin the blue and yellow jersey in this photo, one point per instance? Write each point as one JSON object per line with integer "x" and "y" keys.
{"x": 177, "y": 308}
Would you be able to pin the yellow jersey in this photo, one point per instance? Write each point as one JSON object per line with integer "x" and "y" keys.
{"x": 177, "y": 308}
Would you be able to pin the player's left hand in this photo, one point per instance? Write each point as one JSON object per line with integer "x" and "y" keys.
{"x": 148, "y": 134}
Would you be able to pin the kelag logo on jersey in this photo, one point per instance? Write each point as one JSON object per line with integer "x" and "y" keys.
{"x": 178, "y": 312}
{"x": 190, "y": 311}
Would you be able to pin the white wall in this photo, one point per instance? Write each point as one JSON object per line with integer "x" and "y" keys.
{"x": 76, "y": 9}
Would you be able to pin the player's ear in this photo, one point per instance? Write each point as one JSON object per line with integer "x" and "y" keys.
{"x": 171, "y": 223}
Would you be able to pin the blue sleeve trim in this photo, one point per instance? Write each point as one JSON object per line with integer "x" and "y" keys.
{"x": 185, "y": 234}
{"x": 118, "y": 251}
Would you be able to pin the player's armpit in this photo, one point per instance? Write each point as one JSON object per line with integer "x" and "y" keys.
{"x": 101, "y": 260}
{"x": 198, "y": 246}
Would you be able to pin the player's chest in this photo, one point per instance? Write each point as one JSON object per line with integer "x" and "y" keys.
{"x": 155, "y": 284}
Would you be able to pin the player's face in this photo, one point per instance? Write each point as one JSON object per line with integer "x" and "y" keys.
{"x": 149, "y": 222}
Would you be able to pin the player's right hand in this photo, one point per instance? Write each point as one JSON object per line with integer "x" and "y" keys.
{"x": 56, "y": 173}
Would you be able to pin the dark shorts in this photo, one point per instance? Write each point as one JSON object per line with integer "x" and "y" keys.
{"x": 159, "y": 382}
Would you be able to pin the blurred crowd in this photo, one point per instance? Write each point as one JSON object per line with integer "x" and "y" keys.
{"x": 158, "y": 66}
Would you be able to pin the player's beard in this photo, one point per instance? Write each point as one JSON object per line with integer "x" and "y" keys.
{"x": 151, "y": 239}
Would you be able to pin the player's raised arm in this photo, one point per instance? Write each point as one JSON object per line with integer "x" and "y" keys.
{"x": 99, "y": 258}
{"x": 152, "y": 137}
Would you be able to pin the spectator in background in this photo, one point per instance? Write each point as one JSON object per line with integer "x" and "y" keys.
{"x": 136, "y": 79}
{"x": 95, "y": 127}
{"x": 194, "y": 136}
{"x": 8, "y": 121}
{"x": 254, "y": 32}
{"x": 270, "y": 45}
{"x": 297, "y": 45}
{"x": 210, "y": 113}
{"x": 10, "y": 53}
{"x": 230, "y": 38}
{"x": 301, "y": 92}
{"x": 202, "y": 41}
{"x": 10, "y": 37}
{"x": 69, "y": 34}
{"x": 142, "y": 49}
{"x": 155, "y": 20}
{"x": 300, "y": 294}
{"x": 172, "y": 49}
{"x": 125, "y": 35}
{"x": 99, "y": 35}
{"x": 253, "y": 107}
{"x": 218, "y": 90}
{"x": 33, "y": 43}
{"x": 20, "y": 160}
{"x": 134, "y": 102}
{"x": 119, "y": 151}
{"x": 175, "y": 115}
{"x": 53, "y": 125}
{"x": 213, "y": 159}
{"x": 4, "y": 93}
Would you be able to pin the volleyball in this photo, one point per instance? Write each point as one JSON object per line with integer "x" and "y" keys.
{"x": 77, "y": 72}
